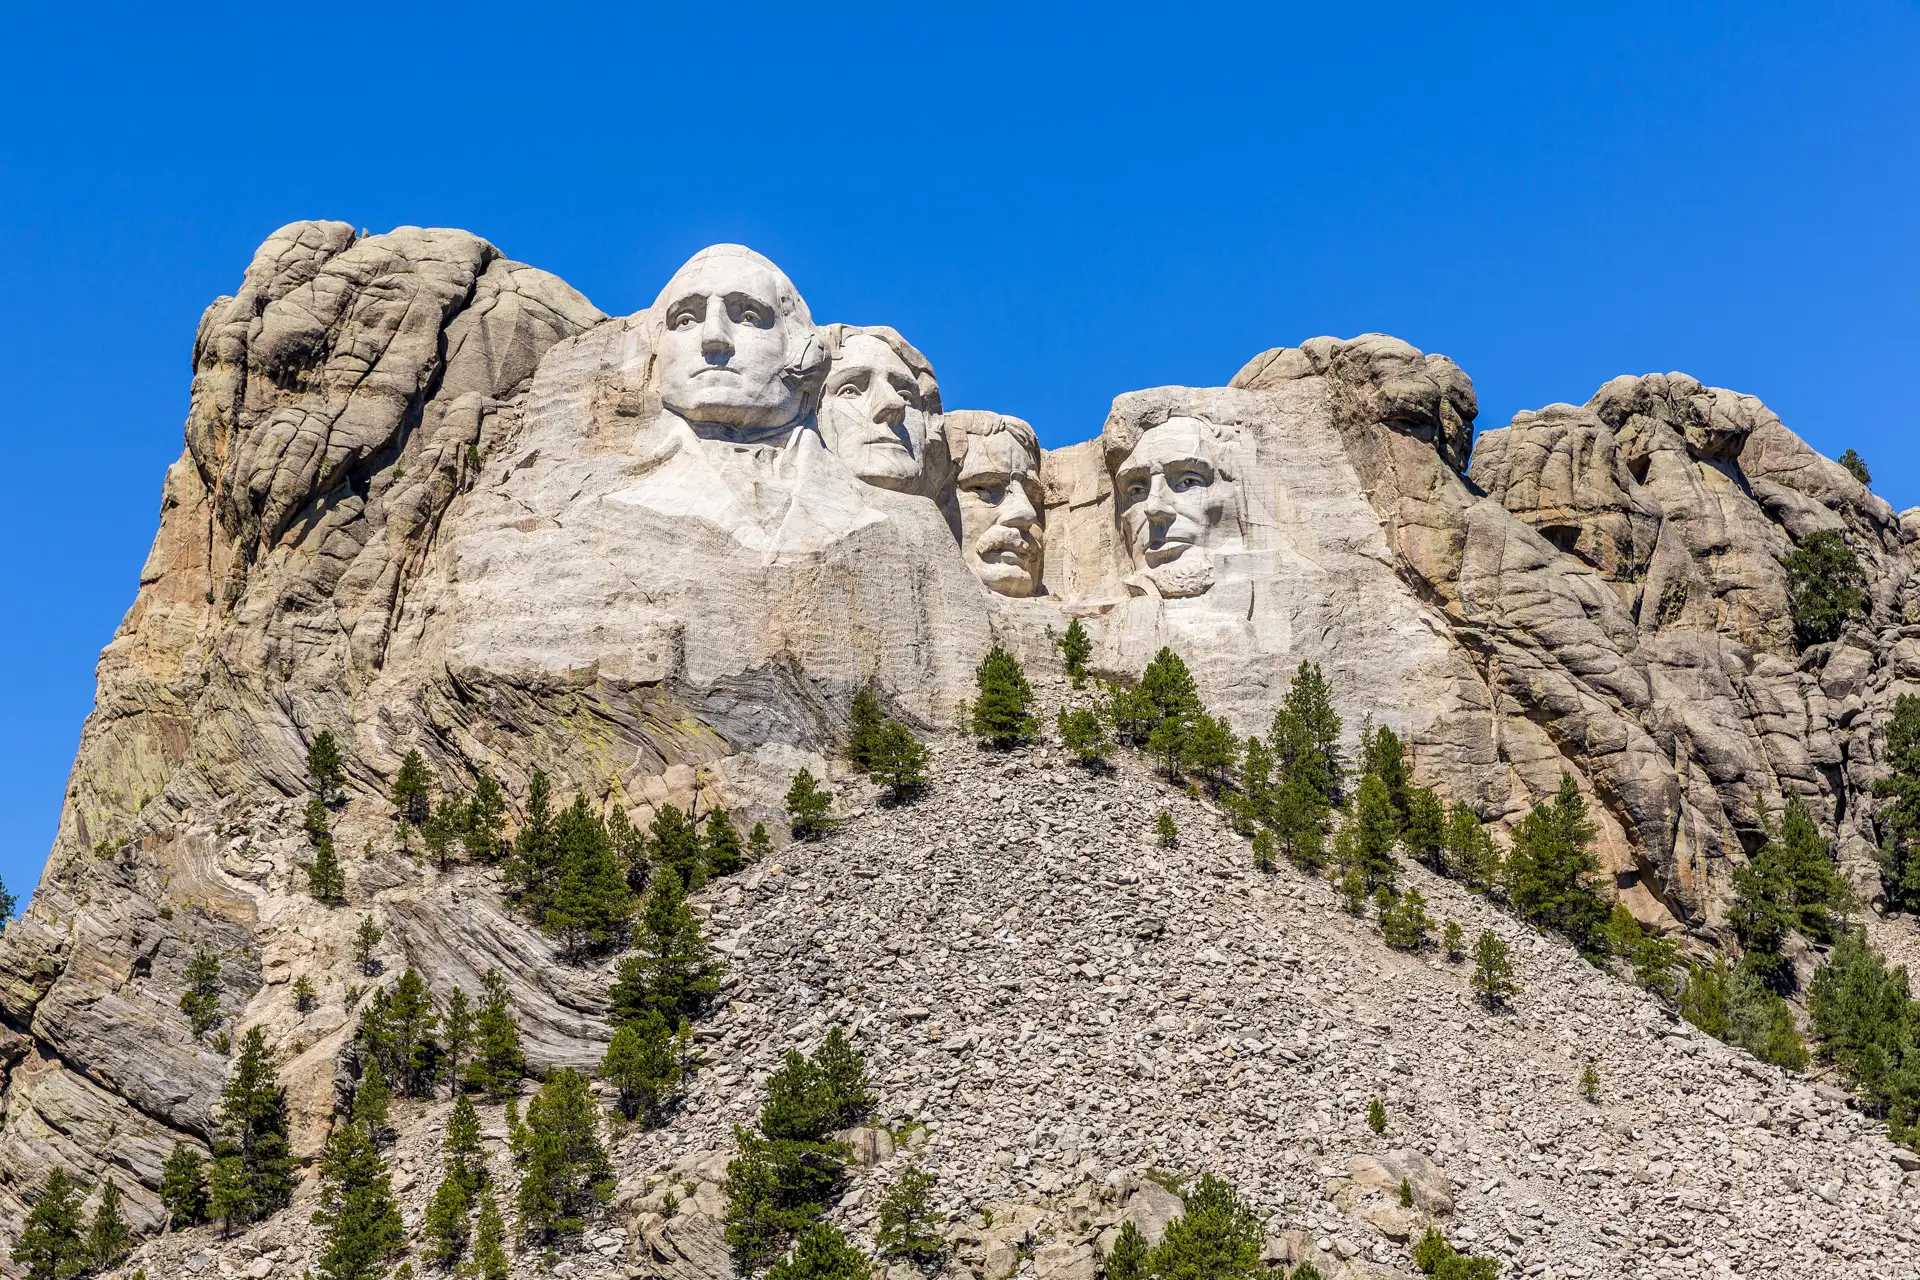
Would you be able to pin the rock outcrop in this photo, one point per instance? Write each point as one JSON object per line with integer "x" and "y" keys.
{"x": 432, "y": 499}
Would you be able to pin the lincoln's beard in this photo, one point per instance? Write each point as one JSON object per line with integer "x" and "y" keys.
{"x": 1189, "y": 575}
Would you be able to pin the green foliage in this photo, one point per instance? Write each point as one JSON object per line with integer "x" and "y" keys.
{"x": 442, "y": 831}
{"x": 908, "y": 1227}
{"x": 1130, "y": 713}
{"x": 1425, "y": 834}
{"x": 447, "y": 1225}
{"x": 1826, "y": 588}
{"x": 1864, "y": 1019}
{"x": 1353, "y": 891}
{"x": 461, "y": 1147}
{"x": 50, "y": 1245}
{"x": 1405, "y": 924}
{"x": 1703, "y": 997}
{"x": 1492, "y": 978}
{"x": 1790, "y": 885}
{"x": 1549, "y": 873}
{"x": 304, "y": 996}
{"x": 759, "y": 843}
{"x": 109, "y": 1239}
{"x": 253, "y": 1165}
{"x": 1167, "y": 690}
{"x": 483, "y": 829}
{"x": 1737, "y": 1006}
{"x": 1170, "y": 741}
{"x": 317, "y": 821}
{"x": 531, "y": 864}
{"x": 1376, "y": 1115}
{"x": 456, "y": 1027}
{"x": 412, "y": 788}
{"x": 899, "y": 762}
{"x": 590, "y": 909}
{"x": 1265, "y": 851}
{"x": 1306, "y": 1271}
{"x": 1299, "y": 818}
{"x": 862, "y": 725}
{"x": 1076, "y": 647}
{"x": 1083, "y": 732}
{"x": 325, "y": 766}
{"x": 201, "y": 1000}
{"x": 566, "y": 1174}
{"x": 1470, "y": 855}
{"x": 1305, "y": 737}
{"x": 1165, "y": 833}
{"x": 398, "y": 1030}
{"x": 1366, "y": 839}
{"x": 644, "y": 1065}
{"x": 1002, "y": 711}
{"x": 357, "y": 1208}
{"x": 1453, "y": 941}
{"x": 673, "y": 837}
{"x": 1899, "y": 821}
{"x": 366, "y": 942}
{"x": 823, "y": 1254}
{"x": 807, "y": 805}
{"x": 326, "y": 881}
{"x": 1590, "y": 1083}
{"x": 372, "y": 1102}
{"x": 725, "y": 855}
{"x": 1434, "y": 1256}
{"x": 498, "y": 1064}
{"x": 1212, "y": 750}
{"x": 489, "y": 1260}
{"x": 183, "y": 1187}
{"x": 1131, "y": 1255}
{"x": 671, "y": 971}
{"x": 1856, "y": 466}
{"x": 8, "y": 905}
{"x": 1384, "y": 756}
{"x": 1218, "y": 1237}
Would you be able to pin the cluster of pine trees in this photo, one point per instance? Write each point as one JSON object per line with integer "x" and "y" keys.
{"x": 885, "y": 750}
{"x": 251, "y": 1174}
{"x": 57, "y": 1241}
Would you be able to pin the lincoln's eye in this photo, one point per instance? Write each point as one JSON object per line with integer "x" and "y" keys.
{"x": 1187, "y": 480}
{"x": 1136, "y": 490}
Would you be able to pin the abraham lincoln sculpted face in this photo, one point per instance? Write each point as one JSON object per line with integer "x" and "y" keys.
{"x": 736, "y": 354}
{"x": 1177, "y": 504}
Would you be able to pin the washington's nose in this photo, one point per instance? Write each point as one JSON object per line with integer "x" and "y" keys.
{"x": 716, "y": 333}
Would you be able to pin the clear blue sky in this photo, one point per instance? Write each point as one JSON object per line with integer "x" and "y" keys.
{"x": 1055, "y": 206}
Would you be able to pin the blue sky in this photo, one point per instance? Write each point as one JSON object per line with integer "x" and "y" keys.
{"x": 1056, "y": 206}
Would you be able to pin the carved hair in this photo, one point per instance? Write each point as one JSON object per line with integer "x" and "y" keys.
{"x": 965, "y": 425}
{"x": 1136, "y": 414}
{"x": 838, "y": 334}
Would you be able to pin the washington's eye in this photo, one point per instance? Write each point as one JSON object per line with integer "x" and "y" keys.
{"x": 684, "y": 320}
{"x": 848, "y": 389}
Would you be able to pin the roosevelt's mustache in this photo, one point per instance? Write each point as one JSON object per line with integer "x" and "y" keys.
{"x": 1002, "y": 538}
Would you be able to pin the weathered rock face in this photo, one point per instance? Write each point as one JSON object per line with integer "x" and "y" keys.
{"x": 432, "y": 499}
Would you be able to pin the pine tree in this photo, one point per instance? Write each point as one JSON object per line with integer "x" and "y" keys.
{"x": 1492, "y": 977}
{"x": 461, "y": 1147}
{"x": 566, "y": 1175}
{"x": 366, "y": 941}
{"x": 201, "y": 1000}
{"x": 1899, "y": 821}
{"x": 1212, "y": 750}
{"x": 672, "y": 972}
{"x": 1589, "y": 1083}
{"x": 1171, "y": 742}
{"x": 1826, "y": 588}
{"x": 8, "y": 905}
{"x": 485, "y": 821}
{"x": 862, "y": 726}
{"x": 1002, "y": 710}
{"x": 842, "y": 1075}
{"x": 446, "y": 1226}
{"x": 498, "y": 1064}
{"x": 758, "y": 1221}
{"x": 1806, "y": 863}
{"x": 326, "y": 881}
{"x": 109, "y": 1239}
{"x": 1384, "y": 756}
{"x": 1167, "y": 689}
{"x": 1084, "y": 734}
{"x": 489, "y": 1261}
{"x": 1299, "y": 818}
{"x": 398, "y": 1028}
{"x": 643, "y": 1065}
{"x": 183, "y": 1187}
{"x": 1076, "y": 647}
{"x": 325, "y": 766}
{"x": 357, "y": 1208}
{"x": 898, "y": 761}
{"x": 630, "y": 849}
{"x": 675, "y": 842}
{"x": 1405, "y": 927}
{"x": 1550, "y": 869}
{"x": 372, "y": 1102}
{"x": 1377, "y": 1115}
{"x": 443, "y": 830}
{"x": 1305, "y": 736}
{"x": 411, "y": 789}
{"x": 823, "y": 1254}
{"x": 590, "y": 910}
{"x": 531, "y": 866}
{"x": 1367, "y": 837}
{"x": 1855, "y": 465}
{"x": 1424, "y": 836}
{"x": 724, "y": 853}
{"x": 908, "y": 1227}
{"x": 759, "y": 843}
{"x": 1127, "y": 709}
{"x": 317, "y": 821}
{"x": 456, "y": 1027}
{"x": 1265, "y": 849}
{"x": 1217, "y": 1235}
{"x": 1470, "y": 855}
{"x": 1453, "y": 940}
{"x": 253, "y": 1170}
{"x": 50, "y": 1245}
{"x": 807, "y": 806}
{"x": 1130, "y": 1258}
{"x": 304, "y": 996}
{"x": 1165, "y": 833}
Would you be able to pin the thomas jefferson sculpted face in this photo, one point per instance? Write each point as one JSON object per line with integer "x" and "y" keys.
{"x": 873, "y": 414}
{"x": 1175, "y": 499}
{"x": 737, "y": 353}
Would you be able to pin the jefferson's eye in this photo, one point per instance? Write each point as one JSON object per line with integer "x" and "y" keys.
{"x": 848, "y": 389}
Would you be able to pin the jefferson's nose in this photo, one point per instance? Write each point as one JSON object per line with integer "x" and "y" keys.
{"x": 888, "y": 404}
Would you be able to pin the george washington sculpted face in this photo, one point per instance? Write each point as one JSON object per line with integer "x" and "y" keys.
{"x": 734, "y": 347}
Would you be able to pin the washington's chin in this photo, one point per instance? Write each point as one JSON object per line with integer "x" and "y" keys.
{"x": 741, "y": 411}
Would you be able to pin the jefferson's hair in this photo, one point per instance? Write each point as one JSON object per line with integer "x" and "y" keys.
{"x": 837, "y": 336}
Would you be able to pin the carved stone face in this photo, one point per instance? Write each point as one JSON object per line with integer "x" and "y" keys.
{"x": 1174, "y": 503}
{"x": 998, "y": 493}
{"x": 872, "y": 417}
{"x": 725, "y": 347}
